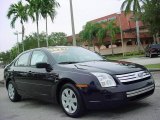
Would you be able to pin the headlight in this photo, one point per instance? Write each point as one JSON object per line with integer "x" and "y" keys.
{"x": 105, "y": 79}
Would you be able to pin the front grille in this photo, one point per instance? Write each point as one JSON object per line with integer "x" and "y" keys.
{"x": 134, "y": 77}
{"x": 139, "y": 91}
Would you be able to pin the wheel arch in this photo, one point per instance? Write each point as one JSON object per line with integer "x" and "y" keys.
{"x": 7, "y": 81}
{"x": 59, "y": 86}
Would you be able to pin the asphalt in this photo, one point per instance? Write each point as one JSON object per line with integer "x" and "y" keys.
{"x": 1, "y": 76}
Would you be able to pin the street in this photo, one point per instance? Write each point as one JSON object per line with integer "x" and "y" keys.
{"x": 1, "y": 74}
{"x": 29, "y": 109}
{"x": 144, "y": 60}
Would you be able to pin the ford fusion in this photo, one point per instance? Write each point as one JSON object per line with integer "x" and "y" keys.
{"x": 76, "y": 78}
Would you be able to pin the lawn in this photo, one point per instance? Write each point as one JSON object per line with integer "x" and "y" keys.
{"x": 120, "y": 57}
{"x": 153, "y": 66}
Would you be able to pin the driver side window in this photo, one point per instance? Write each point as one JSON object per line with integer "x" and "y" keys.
{"x": 38, "y": 57}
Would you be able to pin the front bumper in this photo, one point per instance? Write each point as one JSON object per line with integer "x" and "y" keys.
{"x": 97, "y": 98}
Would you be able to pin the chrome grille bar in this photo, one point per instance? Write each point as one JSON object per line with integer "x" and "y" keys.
{"x": 133, "y": 76}
{"x": 139, "y": 91}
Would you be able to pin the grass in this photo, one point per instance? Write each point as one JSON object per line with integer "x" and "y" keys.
{"x": 151, "y": 66}
{"x": 120, "y": 56}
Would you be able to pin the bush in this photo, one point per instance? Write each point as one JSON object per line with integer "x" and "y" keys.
{"x": 134, "y": 53}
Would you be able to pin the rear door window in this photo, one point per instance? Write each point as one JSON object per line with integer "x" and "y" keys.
{"x": 23, "y": 60}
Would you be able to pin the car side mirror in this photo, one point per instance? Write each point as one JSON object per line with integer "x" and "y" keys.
{"x": 44, "y": 65}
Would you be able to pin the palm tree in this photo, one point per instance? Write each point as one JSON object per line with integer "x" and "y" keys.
{"x": 18, "y": 11}
{"x": 48, "y": 9}
{"x": 112, "y": 30}
{"x": 101, "y": 35}
{"x": 134, "y": 6}
{"x": 91, "y": 30}
{"x": 35, "y": 7}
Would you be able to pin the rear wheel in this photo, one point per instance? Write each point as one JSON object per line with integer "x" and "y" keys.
{"x": 71, "y": 101}
{"x": 12, "y": 92}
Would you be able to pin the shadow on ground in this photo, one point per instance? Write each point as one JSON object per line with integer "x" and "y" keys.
{"x": 111, "y": 113}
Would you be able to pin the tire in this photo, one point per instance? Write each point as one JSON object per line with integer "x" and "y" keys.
{"x": 12, "y": 92}
{"x": 71, "y": 101}
{"x": 150, "y": 55}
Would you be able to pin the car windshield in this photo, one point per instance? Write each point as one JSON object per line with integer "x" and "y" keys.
{"x": 155, "y": 46}
{"x": 69, "y": 55}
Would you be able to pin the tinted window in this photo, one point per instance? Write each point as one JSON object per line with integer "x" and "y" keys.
{"x": 37, "y": 57}
{"x": 73, "y": 54}
{"x": 23, "y": 60}
{"x": 155, "y": 46}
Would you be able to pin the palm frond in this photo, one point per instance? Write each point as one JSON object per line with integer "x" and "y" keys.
{"x": 13, "y": 21}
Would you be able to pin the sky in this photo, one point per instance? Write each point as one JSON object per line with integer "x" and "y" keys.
{"x": 83, "y": 10}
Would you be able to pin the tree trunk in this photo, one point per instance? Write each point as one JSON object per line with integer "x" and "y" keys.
{"x": 72, "y": 24}
{"x": 154, "y": 39}
{"x": 37, "y": 30}
{"x": 47, "y": 32}
{"x": 121, "y": 35}
{"x": 22, "y": 36}
{"x": 157, "y": 38}
{"x": 112, "y": 48}
{"x": 138, "y": 35}
{"x": 93, "y": 45}
{"x": 17, "y": 44}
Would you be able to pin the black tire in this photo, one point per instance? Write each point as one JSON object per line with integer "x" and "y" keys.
{"x": 15, "y": 97}
{"x": 150, "y": 55}
{"x": 146, "y": 55}
{"x": 80, "y": 105}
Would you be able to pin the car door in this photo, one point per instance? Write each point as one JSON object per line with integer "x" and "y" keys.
{"x": 20, "y": 72}
{"x": 40, "y": 80}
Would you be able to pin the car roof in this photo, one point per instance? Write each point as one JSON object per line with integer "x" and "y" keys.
{"x": 50, "y": 48}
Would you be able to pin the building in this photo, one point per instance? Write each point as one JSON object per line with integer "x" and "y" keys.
{"x": 128, "y": 27}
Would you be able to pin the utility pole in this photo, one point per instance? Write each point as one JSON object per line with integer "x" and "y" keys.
{"x": 72, "y": 24}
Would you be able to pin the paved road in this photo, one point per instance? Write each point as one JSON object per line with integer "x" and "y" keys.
{"x": 144, "y": 60}
{"x": 28, "y": 109}
{"x": 1, "y": 74}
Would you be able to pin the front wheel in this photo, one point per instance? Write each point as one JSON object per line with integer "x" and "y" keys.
{"x": 150, "y": 55}
{"x": 12, "y": 92}
{"x": 71, "y": 101}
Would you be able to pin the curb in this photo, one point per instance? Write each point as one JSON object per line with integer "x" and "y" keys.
{"x": 154, "y": 70}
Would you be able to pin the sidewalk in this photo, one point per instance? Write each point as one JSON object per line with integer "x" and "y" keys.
{"x": 1, "y": 75}
{"x": 143, "y": 60}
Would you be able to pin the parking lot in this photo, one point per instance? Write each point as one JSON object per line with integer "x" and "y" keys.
{"x": 29, "y": 109}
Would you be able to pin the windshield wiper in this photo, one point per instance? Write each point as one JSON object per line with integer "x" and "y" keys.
{"x": 70, "y": 62}
{"x": 100, "y": 60}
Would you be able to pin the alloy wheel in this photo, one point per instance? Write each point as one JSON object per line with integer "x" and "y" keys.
{"x": 11, "y": 91}
{"x": 69, "y": 100}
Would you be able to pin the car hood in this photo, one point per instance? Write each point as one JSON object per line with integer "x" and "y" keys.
{"x": 119, "y": 67}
